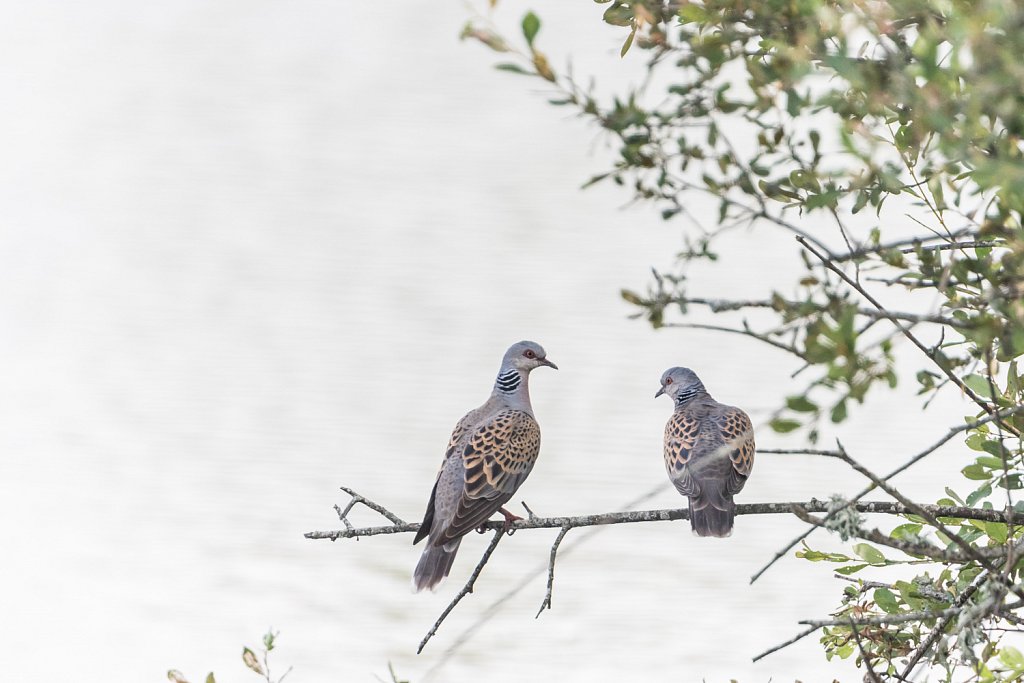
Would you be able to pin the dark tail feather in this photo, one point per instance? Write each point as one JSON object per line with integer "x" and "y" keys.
{"x": 710, "y": 521}
{"x": 433, "y": 567}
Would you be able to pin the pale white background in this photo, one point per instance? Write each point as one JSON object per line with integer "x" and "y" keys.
{"x": 251, "y": 251}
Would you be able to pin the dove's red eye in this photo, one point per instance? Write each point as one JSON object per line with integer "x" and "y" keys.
{"x": 668, "y": 381}
{"x": 529, "y": 354}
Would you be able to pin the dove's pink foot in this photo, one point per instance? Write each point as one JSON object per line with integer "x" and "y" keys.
{"x": 510, "y": 519}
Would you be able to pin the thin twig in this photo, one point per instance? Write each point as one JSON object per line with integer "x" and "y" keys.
{"x": 872, "y": 674}
{"x": 799, "y": 636}
{"x": 343, "y": 514}
{"x": 546, "y": 604}
{"x": 466, "y": 590}
{"x": 745, "y": 332}
{"x": 901, "y": 245}
{"x": 379, "y": 509}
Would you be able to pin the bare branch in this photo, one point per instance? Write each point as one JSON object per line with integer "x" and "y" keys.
{"x": 745, "y": 332}
{"x": 466, "y": 590}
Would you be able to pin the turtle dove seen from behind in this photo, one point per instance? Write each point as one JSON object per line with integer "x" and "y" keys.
{"x": 490, "y": 454}
{"x": 709, "y": 451}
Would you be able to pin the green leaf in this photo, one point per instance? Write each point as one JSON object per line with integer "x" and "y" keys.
{"x": 629, "y": 42}
{"x": 851, "y": 569}
{"x": 210, "y": 678}
{"x": 978, "y": 494}
{"x": 1011, "y": 657}
{"x": 513, "y": 68}
{"x": 869, "y": 553}
{"x": 996, "y": 449}
{"x": 804, "y": 180}
{"x": 860, "y": 202}
{"x": 845, "y": 651}
{"x": 885, "y": 599}
{"x": 976, "y": 442}
{"x": 176, "y": 676}
{"x": 996, "y": 531}
{"x": 631, "y": 297}
{"x": 618, "y": 15}
{"x": 531, "y": 25}
{"x": 989, "y": 462}
{"x": 976, "y": 472}
{"x": 979, "y": 385}
{"x": 906, "y": 530}
{"x": 782, "y": 426}
{"x": 692, "y": 13}
{"x": 817, "y": 556}
{"x": 801, "y": 404}
{"x": 838, "y": 413}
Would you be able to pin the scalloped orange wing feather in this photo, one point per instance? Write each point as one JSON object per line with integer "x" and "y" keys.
{"x": 497, "y": 460}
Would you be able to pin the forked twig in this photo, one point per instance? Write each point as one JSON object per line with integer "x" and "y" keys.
{"x": 363, "y": 500}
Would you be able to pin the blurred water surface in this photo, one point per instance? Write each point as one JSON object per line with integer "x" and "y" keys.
{"x": 252, "y": 251}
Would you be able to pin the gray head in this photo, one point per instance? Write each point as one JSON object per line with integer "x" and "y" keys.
{"x": 525, "y": 356}
{"x": 681, "y": 384}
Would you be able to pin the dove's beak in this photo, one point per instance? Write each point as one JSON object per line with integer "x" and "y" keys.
{"x": 545, "y": 361}
{"x": 660, "y": 392}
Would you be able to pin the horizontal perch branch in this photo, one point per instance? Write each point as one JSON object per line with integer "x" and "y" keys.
{"x": 565, "y": 524}
{"x": 880, "y": 507}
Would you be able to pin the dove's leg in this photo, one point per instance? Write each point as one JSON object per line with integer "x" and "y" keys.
{"x": 510, "y": 519}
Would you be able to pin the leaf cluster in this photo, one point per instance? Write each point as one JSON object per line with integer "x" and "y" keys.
{"x": 888, "y": 137}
